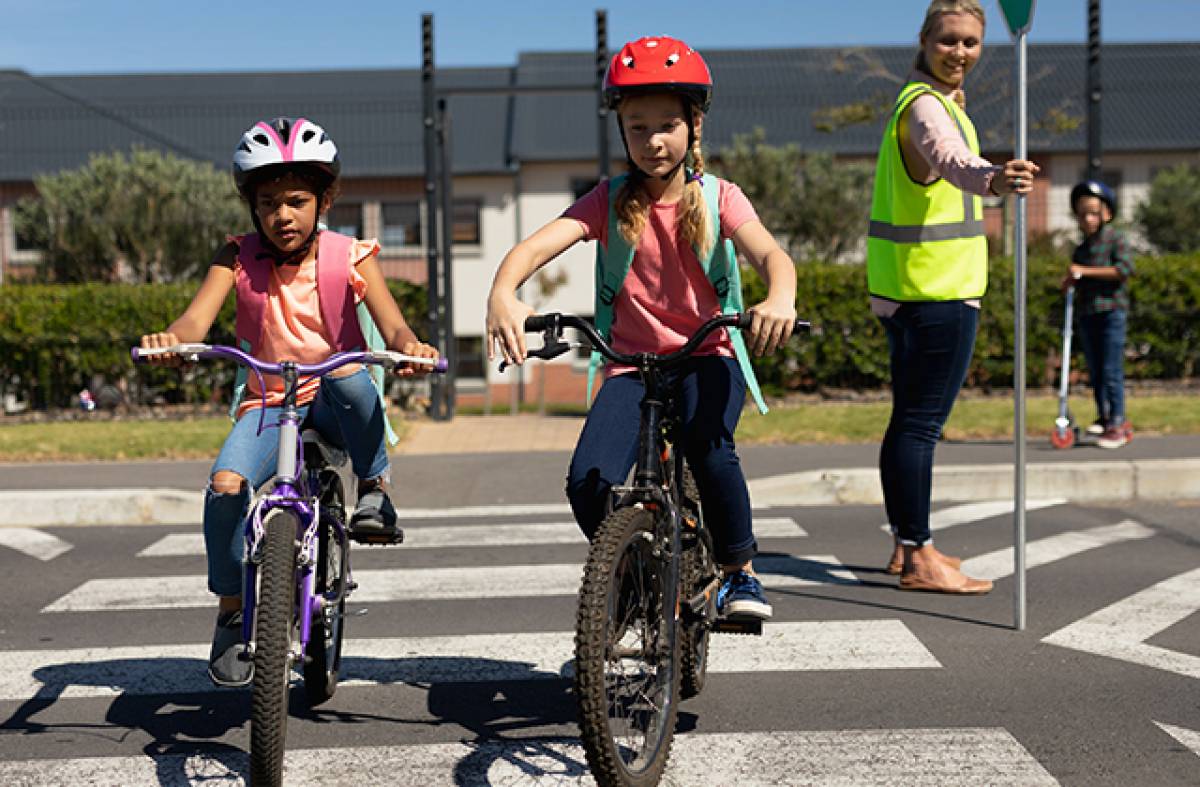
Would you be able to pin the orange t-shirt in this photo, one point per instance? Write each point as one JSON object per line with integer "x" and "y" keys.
{"x": 293, "y": 329}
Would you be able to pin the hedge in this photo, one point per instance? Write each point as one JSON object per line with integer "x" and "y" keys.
{"x": 848, "y": 347}
{"x": 57, "y": 339}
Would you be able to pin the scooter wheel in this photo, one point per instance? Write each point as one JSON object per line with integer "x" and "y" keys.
{"x": 1062, "y": 438}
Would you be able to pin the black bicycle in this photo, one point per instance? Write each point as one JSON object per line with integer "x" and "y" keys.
{"x": 648, "y": 599}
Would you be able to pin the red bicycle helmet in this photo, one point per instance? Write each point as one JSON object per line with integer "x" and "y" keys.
{"x": 655, "y": 65}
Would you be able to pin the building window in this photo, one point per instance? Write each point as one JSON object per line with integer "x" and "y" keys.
{"x": 346, "y": 219}
{"x": 23, "y": 241}
{"x": 466, "y": 224}
{"x": 401, "y": 225}
{"x": 468, "y": 359}
{"x": 581, "y": 186}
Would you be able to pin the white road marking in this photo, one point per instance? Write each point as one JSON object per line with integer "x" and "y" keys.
{"x": 33, "y": 542}
{"x": 1120, "y": 630}
{"x": 995, "y": 565}
{"x": 1189, "y": 738}
{"x": 520, "y": 534}
{"x": 180, "y": 669}
{"x": 424, "y": 584}
{"x": 866, "y": 758}
{"x": 975, "y": 512}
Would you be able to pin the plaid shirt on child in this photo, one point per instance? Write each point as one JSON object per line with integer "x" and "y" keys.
{"x": 1107, "y": 247}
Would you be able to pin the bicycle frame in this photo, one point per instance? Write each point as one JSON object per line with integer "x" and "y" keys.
{"x": 292, "y": 489}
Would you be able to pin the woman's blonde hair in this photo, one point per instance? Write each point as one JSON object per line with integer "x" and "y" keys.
{"x": 632, "y": 203}
{"x": 937, "y": 9}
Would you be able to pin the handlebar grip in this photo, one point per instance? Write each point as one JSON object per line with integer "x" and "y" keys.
{"x": 442, "y": 365}
{"x": 801, "y": 325}
{"x": 537, "y": 322}
{"x": 136, "y": 354}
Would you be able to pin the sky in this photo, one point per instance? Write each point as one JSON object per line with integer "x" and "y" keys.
{"x": 139, "y": 36}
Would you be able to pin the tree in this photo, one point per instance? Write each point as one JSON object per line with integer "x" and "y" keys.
{"x": 818, "y": 206}
{"x": 1170, "y": 216}
{"x": 145, "y": 217}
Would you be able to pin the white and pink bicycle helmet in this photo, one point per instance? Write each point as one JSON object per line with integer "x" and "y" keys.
{"x": 284, "y": 143}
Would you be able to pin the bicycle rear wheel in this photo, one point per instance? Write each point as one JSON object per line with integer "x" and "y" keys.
{"x": 324, "y": 657}
{"x": 698, "y": 569}
{"x": 626, "y": 669}
{"x": 274, "y": 634}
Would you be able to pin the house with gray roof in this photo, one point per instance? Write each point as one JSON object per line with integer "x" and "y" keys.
{"x": 518, "y": 161}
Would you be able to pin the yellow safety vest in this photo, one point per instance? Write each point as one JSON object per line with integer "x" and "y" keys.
{"x": 925, "y": 242}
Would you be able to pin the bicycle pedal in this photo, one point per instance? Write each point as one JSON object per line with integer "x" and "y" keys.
{"x": 382, "y": 539}
{"x": 735, "y": 626}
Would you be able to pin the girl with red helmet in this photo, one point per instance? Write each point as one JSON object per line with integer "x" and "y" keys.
{"x": 660, "y": 89}
{"x": 298, "y": 287}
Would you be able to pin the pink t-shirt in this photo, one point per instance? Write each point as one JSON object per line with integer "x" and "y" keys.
{"x": 666, "y": 295}
{"x": 292, "y": 325}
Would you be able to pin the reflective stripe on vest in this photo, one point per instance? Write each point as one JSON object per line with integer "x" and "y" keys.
{"x": 925, "y": 242}
{"x": 720, "y": 266}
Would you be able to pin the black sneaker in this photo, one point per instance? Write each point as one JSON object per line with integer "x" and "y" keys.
{"x": 374, "y": 519}
{"x": 228, "y": 663}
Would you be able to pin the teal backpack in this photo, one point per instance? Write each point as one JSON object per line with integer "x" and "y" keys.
{"x": 720, "y": 265}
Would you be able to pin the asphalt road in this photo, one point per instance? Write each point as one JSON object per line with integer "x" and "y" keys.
{"x": 454, "y": 676}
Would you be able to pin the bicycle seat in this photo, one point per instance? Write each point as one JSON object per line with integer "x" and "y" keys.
{"x": 318, "y": 449}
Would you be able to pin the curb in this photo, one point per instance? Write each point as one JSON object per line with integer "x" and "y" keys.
{"x": 1077, "y": 482}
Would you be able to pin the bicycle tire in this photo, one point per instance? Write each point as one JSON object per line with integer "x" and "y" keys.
{"x": 610, "y": 636}
{"x": 274, "y": 632}
{"x": 324, "y": 656}
{"x": 697, "y": 569}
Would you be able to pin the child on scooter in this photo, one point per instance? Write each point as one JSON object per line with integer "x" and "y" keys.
{"x": 1099, "y": 268}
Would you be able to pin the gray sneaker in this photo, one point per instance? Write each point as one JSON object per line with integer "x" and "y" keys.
{"x": 374, "y": 519}
{"x": 227, "y": 664}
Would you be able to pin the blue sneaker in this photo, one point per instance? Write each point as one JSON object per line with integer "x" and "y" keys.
{"x": 741, "y": 596}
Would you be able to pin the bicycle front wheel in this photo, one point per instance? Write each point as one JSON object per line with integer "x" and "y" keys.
{"x": 698, "y": 571}
{"x": 626, "y": 660}
{"x": 274, "y": 634}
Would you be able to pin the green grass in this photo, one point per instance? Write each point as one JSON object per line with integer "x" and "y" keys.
{"x": 83, "y": 440}
{"x": 973, "y": 418}
{"x": 817, "y": 422}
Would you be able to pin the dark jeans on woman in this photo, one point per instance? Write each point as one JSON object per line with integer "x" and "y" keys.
{"x": 1103, "y": 335}
{"x": 712, "y": 391}
{"x": 931, "y": 345}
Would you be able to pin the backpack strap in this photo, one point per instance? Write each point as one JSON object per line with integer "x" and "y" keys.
{"x": 612, "y": 266}
{"x": 721, "y": 267}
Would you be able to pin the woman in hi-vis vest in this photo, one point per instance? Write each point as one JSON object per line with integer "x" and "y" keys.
{"x": 927, "y": 271}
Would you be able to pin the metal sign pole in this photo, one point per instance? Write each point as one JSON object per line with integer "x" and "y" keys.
{"x": 1019, "y": 244}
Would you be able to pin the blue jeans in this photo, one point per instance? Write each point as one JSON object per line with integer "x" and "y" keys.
{"x": 1103, "y": 335}
{"x": 931, "y": 345}
{"x": 711, "y": 393}
{"x": 346, "y": 411}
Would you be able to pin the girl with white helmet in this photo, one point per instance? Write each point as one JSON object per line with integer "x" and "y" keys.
{"x": 298, "y": 290}
{"x": 656, "y": 292}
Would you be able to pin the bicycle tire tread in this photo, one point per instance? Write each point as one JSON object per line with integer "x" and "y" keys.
{"x": 269, "y": 700}
{"x": 590, "y": 639}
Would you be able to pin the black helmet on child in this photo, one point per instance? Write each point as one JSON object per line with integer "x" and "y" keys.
{"x": 1094, "y": 188}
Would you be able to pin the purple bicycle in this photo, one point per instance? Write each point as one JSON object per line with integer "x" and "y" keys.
{"x": 297, "y": 569}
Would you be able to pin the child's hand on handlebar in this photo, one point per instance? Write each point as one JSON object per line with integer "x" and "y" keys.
{"x": 506, "y": 328}
{"x": 772, "y": 325}
{"x": 420, "y": 350}
{"x": 164, "y": 339}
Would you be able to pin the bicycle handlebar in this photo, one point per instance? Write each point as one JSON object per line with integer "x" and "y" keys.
{"x": 194, "y": 351}
{"x": 552, "y": 323}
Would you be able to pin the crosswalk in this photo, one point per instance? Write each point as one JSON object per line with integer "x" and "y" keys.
{"x": 874, "y": 640}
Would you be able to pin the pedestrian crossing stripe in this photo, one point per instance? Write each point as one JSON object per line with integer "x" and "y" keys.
{"x": 1189, "y": 738}
{"x": 995, "y": 565}
{"x": 462, "y": 658}
{"x": 491, "y": 535}
{"x": 967, "y": 513}
{"x": 424, "y": 584}
{"x": 1120, "y": 630}
{"x": 865, "y": 758}
{"x": 35, "y": 543}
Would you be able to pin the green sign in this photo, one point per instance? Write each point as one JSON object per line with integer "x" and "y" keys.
{"x": 1018, "y": 14}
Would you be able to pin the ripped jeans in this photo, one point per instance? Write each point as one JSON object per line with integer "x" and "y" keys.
{"x": 346, "y": 411}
